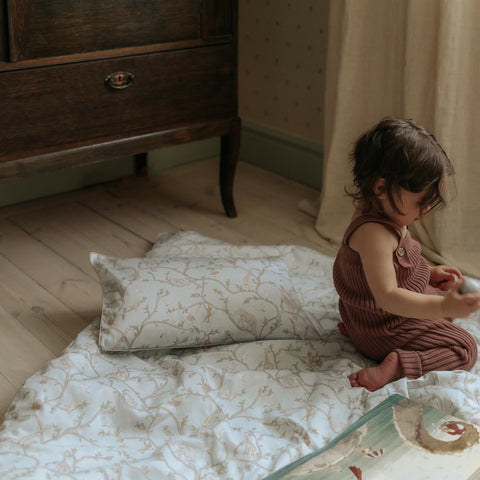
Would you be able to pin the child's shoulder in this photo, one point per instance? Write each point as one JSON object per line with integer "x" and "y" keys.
{"x": 371, "y": 232}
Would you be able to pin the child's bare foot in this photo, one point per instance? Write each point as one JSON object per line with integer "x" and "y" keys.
{"x": 343, "y": 329}
{"x": 373, "y": 378}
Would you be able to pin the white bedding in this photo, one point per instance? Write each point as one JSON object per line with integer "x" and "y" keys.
{"x": 238, "y": 411}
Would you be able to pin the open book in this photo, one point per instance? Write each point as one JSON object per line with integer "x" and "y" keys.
{"x": 398, "y": 439}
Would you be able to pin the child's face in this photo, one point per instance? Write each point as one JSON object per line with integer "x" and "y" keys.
{"x": 409, "y": 203}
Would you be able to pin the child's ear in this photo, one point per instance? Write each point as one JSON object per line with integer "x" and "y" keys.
{"x": 379, "y": 187}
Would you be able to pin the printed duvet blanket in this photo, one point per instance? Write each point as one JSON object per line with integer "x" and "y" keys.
{"x": 233, "y": 411}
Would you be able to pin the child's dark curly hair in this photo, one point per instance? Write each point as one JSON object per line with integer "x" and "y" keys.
{"x": 406, "y": 155}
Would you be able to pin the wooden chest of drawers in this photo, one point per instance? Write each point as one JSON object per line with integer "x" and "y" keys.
{"x": 81, "y": 82}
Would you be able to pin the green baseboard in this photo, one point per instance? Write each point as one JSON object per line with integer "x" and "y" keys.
{"x": 263, "y": 147}
{"x": 269, "y": 149}
{"x": 289, "y": 156}
{"x": 18, "y": 190}
{"x": 166, "y": 158}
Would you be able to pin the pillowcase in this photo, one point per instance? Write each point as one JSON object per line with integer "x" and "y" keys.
{"x": 153, "y": 303}
{"x": 310, "y": 271}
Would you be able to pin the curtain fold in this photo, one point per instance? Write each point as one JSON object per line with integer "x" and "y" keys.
{"x": 412, "y": 59}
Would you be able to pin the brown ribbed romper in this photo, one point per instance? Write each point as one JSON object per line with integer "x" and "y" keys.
{"x": 422, "y": 345}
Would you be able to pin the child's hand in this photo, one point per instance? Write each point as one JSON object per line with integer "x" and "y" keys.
{"x": 458, "y": 305}
{"x": 444, "y": 277}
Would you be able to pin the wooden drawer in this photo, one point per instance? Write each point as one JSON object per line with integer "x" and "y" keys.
{"x": 48, "y": 109}
{"x": 45, "y": 28}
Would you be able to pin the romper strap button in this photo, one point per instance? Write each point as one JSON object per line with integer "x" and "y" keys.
{"x": 401, "y": 251}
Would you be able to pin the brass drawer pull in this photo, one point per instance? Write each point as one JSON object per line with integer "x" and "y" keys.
{"x": 119, "y": 80}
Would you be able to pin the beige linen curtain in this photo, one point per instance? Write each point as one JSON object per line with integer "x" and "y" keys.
{"x": 416, "y": 59}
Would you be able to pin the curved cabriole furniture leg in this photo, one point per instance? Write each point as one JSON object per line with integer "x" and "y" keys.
{"x": 230, "y": 145}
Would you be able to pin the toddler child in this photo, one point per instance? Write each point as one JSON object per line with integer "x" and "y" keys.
{"x": 396, "y": 309}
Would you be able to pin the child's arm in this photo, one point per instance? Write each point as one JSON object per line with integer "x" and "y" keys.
{"x": 375, "y": 245}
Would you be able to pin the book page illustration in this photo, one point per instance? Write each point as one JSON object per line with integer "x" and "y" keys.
{"x": 401, "y": 439}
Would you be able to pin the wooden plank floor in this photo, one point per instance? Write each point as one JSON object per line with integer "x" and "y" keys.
{"x": 49, "y": 291}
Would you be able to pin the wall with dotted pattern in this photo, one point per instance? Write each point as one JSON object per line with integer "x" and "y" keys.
{"x": 281, "y": 72}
